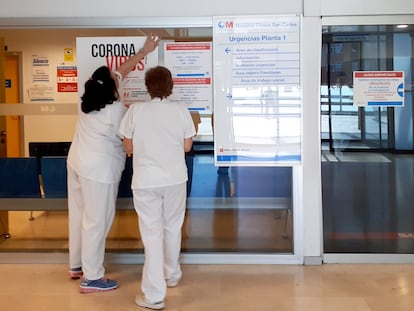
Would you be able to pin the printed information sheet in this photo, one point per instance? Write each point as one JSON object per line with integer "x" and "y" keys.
{"x": 191, "y": 66}
{"x": 379, "y": 88}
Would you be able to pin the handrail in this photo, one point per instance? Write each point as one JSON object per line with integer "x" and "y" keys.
{"x": 38, "y": 108}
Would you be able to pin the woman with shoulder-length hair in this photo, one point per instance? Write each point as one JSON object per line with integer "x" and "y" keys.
{"x": 95, "y": 163}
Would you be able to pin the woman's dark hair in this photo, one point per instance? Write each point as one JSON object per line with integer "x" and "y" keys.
{"x": 100, "y": 90}
{"x": 159, "y": 82}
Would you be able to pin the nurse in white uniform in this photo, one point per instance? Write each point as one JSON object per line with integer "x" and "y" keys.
{"x": 95, "y": 163}
{"x": 158, "y": 133}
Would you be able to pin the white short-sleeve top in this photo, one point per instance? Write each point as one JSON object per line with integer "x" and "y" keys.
{"x": 158, "y": 129}
{"x": 96, "y": 152}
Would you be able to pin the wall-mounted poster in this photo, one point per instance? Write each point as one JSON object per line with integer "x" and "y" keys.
{"x": 191, "y": 66}
{"x": 257, "y": 90}
{"x": 93, "y": 52}
{"x": 67, "y": 78}
{"x": 379, "y": 88}
{"x": 40, "y": 69}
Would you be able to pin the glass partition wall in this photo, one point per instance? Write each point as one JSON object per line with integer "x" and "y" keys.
{"x": 236, "y": 210}
{"x": 368, "y": 151}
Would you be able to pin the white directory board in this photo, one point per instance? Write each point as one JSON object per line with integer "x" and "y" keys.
{"x": 190, "y": 64}
{"x": 378, "y": 88}
{"x": 257, "y": 90}
{"x": 93, "y": 52}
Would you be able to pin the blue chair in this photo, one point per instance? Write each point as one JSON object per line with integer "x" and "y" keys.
{"x": 54, "y": 177}
{"x": 19, "y": 178}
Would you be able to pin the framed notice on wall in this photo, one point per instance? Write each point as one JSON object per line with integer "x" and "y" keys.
{"x": 257, "y": 90}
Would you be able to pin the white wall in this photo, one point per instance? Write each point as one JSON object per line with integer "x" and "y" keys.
{"x": 365, "y": 7}
{"x": 189, "y": 8}
{"x": 154, "y": 8}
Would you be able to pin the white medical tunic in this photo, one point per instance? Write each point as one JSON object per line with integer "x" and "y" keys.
{"x": 158, "y": 129}
{"x": 96, "y": 152}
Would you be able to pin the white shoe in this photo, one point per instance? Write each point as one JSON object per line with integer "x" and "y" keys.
{"x": 143, "y": 302}
{"x": 172, "y": 283}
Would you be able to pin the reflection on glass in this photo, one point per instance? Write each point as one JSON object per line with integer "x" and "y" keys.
{"x": 239, "y": 209}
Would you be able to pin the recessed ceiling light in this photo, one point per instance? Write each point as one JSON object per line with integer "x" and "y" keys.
{"x": 402, "y": 26}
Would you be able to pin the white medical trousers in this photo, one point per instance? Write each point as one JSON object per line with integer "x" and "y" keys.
{"x": 91, "y": 207}
{"x": 160, "y": 218}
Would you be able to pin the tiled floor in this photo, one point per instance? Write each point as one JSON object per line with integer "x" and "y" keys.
{"x": 219, "y": 287}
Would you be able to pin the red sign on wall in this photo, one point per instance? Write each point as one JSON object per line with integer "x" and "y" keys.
{"x": 67, "y": 79}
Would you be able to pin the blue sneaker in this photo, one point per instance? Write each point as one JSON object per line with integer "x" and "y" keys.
{"x": 92, "y": 286}
{"x": 75, "y": 273}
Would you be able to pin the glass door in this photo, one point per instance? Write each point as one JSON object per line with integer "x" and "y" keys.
{"x": 367, "y": 151}
{"x": 347, "y": 49}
